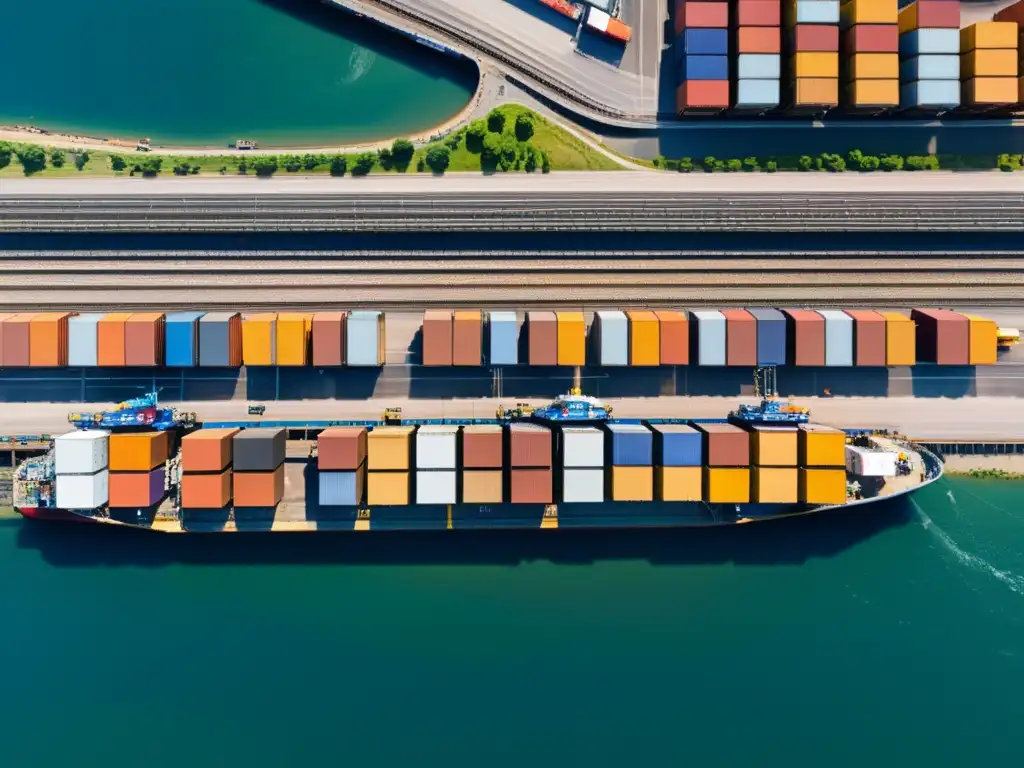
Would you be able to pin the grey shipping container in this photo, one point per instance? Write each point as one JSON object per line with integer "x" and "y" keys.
{"x": 611, "y": 338}
{"x": 364, "y": 341}
{"x": 83, "y": 340}
{"x": 838, "y": 337}
{"x": 503, "y": 344}
{"x": 341, "y": 489}
{"x": 771, "y": 336}
{"x": 258, "y": 450}
{"x": 215, "y": 342}
{"x": 708, "y": 335}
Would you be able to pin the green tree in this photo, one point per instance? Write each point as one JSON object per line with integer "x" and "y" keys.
{"x": 291, "y": 163}
{"x": 338, "y": 165}
{"x": 150, "y": 166}
{"x": 243, "y": 167}
{"x": 545, "y": 161}
{"x": 118, "y": 162}
{"x": 475, "y": 135}
{"x": 309, "y": 162}
{"x": 81, "y": 159}
{"x": 438, "y": 158}
{"x": 750, "y": 163}
{"x": 496, "y": 121}
{"x": 922, "y": 163}
{"x": 31, "y": 157}
{"x": 733, "y": 165}
{"x": 181, "y": 168}
{"x": 805, "y": 163}
{"x": 532, "y": 159}
{"x": 453, "y": 141}
{"x": 384, "y": 158}
{"x": 671, "y": 164}
{"x": 524, "y": 126}
{"x": 402, "y": 151}
{"x": 854, "y": 157}
{"x": 265, "y": 165}
{"x": 831, "y": 162}
{"x": 6, "y": 151}
{"x": 868, "y": 163}
{"x": 364, "y": 163}
{"x": 771, "y": 166}
{"x": 195, "y": 170}
{"x": 685, "y": 165}
{"x": 709, "y": 163}
{"x": 58, "y": 157}
{"x": 891, "y": 163}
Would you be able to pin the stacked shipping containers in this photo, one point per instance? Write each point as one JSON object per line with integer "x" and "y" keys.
{"x": 259, "y": 339}
{"x": 452, "y": 340}
{"x": 610, "y": 338}
{"x": 206, "y": 469}
{"x": 181, "y": 339}
{"x": 900, "y": 346}
{"x": 988, "y": 64}
{"x": 644, "y": 338}
{"x": 822, "y": 458}
{"x": 388, "y": 461}
{"x": 48, "y": 340}
{"x": 984, "y": 340}
{"x": 15, "y": 332}
{"x": 572, "y": 338}
{"x": 436, "y": 461}
{"x": 258, "y": 472}
{"x": 702, "y": 56}
{"x": 110, "y": 339}
{"x": 812, "y": 51}
{"x": 630, "y": 451}
{"x": 678, "y": 459}
{"x": 138, "y": 472}
{"x": 838, "y": 338}
{"x": 437, "y": 337}
{"x": 341, "y": 466}
{"x": 870, "y": 55}
{"x": 144, "y": 340}
{"x": 773, "y": 452}
{"x": 1015, "y": 15}
{"x": 726, "y": 450}
{"x": 930, "y": 55}
{"x": 483, "y": 449}
{"x": 757, "y": 41}
{"x": 582, "y": 457}
{"x": 293, "y": 336}
{"x": 530, "y": 460}
{"x": 771, "y": 336}
{"x": 80, "y": 464}
{"x": 805, "y": 337}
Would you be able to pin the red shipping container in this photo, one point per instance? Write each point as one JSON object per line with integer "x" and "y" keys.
{"x": 725, "y": 445}
{"x": 815, "y": 37}
{"x": 942, "y": 337}
{"x": 945, "y": 14}
{"x": 341, "y": 448}
{"x": 690, "y": 14}
{"x": 702, "y": 94}
{"x": 872, "y": 38}
{"x": 437, "y": 337}
{"x": 758, "y": 40}
{"x": 868, "y": 337}
{"x": 3, "y": 316}
{"x": 144, "y": 339}
{"x": 529, "y": 445}
{"x": 542, "y": 334}
{"x": 740, "y": 337}
{"x": 329, "y": 339}
{"x": 805, "y": 337}
{"x": 675, "y": 337}
{"x": 16, "y": 343}
{"x": 532, "y": 486}
{"x": 758, "y": 13}
{"x": 482, "y": 447}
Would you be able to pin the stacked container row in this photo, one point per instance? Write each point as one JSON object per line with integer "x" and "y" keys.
{"x": 630, "y": 457}
{"x": 678, "y": 459}
{"x": 531, "y": 464}
{"x": 930, "y": 55}
{"x": 138, "y": 471}
{"x": 206, "y": 458}
{"x": 258, "y": 469}
{"x": 341, "y": 465}
{"x": 556, "y": 338}
{"x": 726, "y": 450}
{"x": 389, "y": 465}
{"x": 436, "y": 462}
{"x": 821, "y": 454}
{"x": 774, "y": 456}
{"x": 81, "y": 462}
{"x": 582, "y": 455}
{"x": 812, "y": 51}
{"x": 483, "y": 452}
{"x": 702, "y": 56}
{"x": 989, "y": 65}
{"x": 870, "y": 43}
{"x": 452, "y": 338}
{"x": 757, "y": 40}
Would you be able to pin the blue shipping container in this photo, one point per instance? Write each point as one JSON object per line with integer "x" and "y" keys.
{"x": 704, "y": 68}
{"x": 181, "y": 339}
{"x": 503, "y": 328}
{"x": 924, "y": 41}
{"x": 757, "y": 94}
{"x": 339, "y": 489}
{"x": 83, "y": 340}
{"x": 759, "y": 66}
{"x": 930, "y": 94}
{"x": 678, "y": 445}
{"x": 930, "y": 67}
{"x": 632, "y": 445}
{"x": 771, "y": 336}
{"x": 817, "y": 11}
{"x": 704, "y": 42}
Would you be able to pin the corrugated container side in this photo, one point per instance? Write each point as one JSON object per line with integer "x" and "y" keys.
{"x": 581, "y": 447}
{"x": 206, "y": 491}
{"x": 899, "y": 339}
{"x": 814, "y": 65}
{"x": 941, "y": 336}
{"x": 341, "y": 489}
{"x": 632, "y": 483}
{"x": 48, "y": 340}
{"x": 341, "y": 448}
{"x": 258, "y": 489}
{"x": 389, "y": 448}
{"x": 258, "y": 450}
{"x": 572, "y": 338}
{"x": 838, "y": 338}
{"x": 181, "y": 339}
{"x": 144, "y": 340}
{"x": 133, "y": 490}
{"x": 4, "y": 316}
{"x": 329, "y": 339}
{"x": 437, "y": 337}
{"x": 220, "y": 340}
{"x": 815, "y": 91}
{"x": 812, "y": 12}
{"x": 758, "y": 13}
{"x": 110, "y": 336}
{"x": 708, "y": 333}
{"x": 542, "y": 338}
{"x": 984, "y": 335}
{"x": 930, "y": 94}
{"x": 758, "y": 93}
{"x": 989, "y": 91}
{"x": 83, "y": 491}
{"x": 17, "y": 340}
{"x": 989, "y": 34}
{"x": 259, "y": 339}
{"x": 436, "y": 447}
{"x": 293, "y": 334}
{"x": 1000, "y": 62}
{"x": 436, "y": 487}
{"x": 805, "y": 337}
{"x": 821, "y": 446}
{"x": 741, "y": 337}
{"x": 483, "y": 447}
{"x": 927, "y": 41}
{"x": 630, "y": 445}
{"x": 679, "y": 483}
{"x": 711, "y": 15}
{"x": 674, "y": 337}
{"x": 772, "y": 446}
{"x": 873, "y": 66}
{"x": 822, "y": 486}
{"x": 774, "y": 485}
{"x": 868, "y": 337}
{"x": 531, "y": 486}
{"x": 872, "y": 38}
{"x": 611, "y": 338}
{"x": 481, "y": 486}
{"x": 644, "y": 338}
{"x": 727, "y": 485}
{"x": 83, "y": 341}
{"x": 771, "y": 336}
{"x": 82, "y": 452}
{"x": 871, "y": 94}
{"x": 207, "y": 450}
{"x": 814, "y": 37}
{"x": 702, "y": 95}
{"x": 725, "y": 445}
{"x": 703, "y": 68}
{"x": 365, "y": 339}
{"x": 529, "y": 445}
{"x": 138, "y": 451}
{"x": 704, "y": 42}
{"x": 759, "y": 66}
{"x": 503, "y": 332}
{"x": 467, "y": 338}
{"x": 580, "y": 486}
{"x": 678, "y": 445}
{"x": 931, "y": 67}
{"x": 387, "y": 489}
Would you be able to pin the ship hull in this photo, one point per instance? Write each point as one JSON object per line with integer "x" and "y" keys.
{"x": 51, "y": 514}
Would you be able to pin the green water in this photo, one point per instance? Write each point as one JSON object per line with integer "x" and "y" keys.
{"x": 208, "y": 72}
{"x": 891, "y": 638}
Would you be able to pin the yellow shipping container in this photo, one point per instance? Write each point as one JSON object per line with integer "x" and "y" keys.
{"x": 774, "y": 485}
{"x": 984, "y": 334}
{"x": 679, "y": 483}
{"x": 138, "y": 451}
{"x": 873, "y": 93}
{"x": 572, "y": 338}
{"x": 989, "y": 90}
{"x": 815, "y": 65}
{"x": 822, "y": 91}
{"x": 259, "y": 339}
{"x": 387, "y": 489}
{"x": 644, "y": 338}
{"x": 293, "y": 332}
{"x": 388, "y": 447}
{"x": 633, "y": 483}
{"x": 875, "y": 66}
{"x": 869, "y": 12}
{"x": 774, "y": 446}
{"x": 989, "y": 34}
{"x": 900, "y": 344}
{"x": 727, "y": 485}
{"x": 989, "y": 62}
{"x": 821, "y": 446}
{"x": 908, "y": 18}
{"x": 823, "y": 486}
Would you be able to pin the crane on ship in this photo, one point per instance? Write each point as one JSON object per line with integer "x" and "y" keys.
{"x": 142, "y": 412}
{"x": 572, "y": 407}
{"x": 769, "y": 410}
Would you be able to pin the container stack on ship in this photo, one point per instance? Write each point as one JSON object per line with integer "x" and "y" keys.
{"x": 138, "y": 472}
{"x": 531, "y": 465}
{"x": 341, "y": 469}
{"x": 630, "y": 452}
{"x": 1014, "y": 14}
{"x": 774, "y": 455}
{"x": 988, "y": 65}
{"x": 436, "y": 464}
{"x": 206, "y": 485}
{"x": 679, "y": 460}
{"x": 929, "y": 48}
{"x": 258, "y": 473}
{"x": 81, "y": 461}
{"x": 702, "y": 56}
{"x": 870, "y": 63}
{"x": 822, "y": 457}
{"x": 389, "y": 462}
{"x": 756, "y": 38}
{"x": 812, "y": 56}
{"x": 726, "y": 451}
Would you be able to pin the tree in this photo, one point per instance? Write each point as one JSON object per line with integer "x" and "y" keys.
{"x": 868, "y": 163}
{"x": 709, "y": 163}
{"x": 364, "y": 163}
{"x": 750, "y": 163}
{"x": 6, "y": 150}
{"x": 453, "y": 141}
{"x": 402, "y": 151}
{"x": 771, "y": 166}
{"x": 685, "y": 165}
{"x": 338, "y": 165}
{"x": 922, "y": 163}
{"x": 31, "y": 157}
{"x": 532, "y": 160}
{"x": 181, "y": 168}
{"x": 149, "y": 166}
{"x": 81, "y": 159}
{"x": 545, "y": 162}
{"x": 805, "y": 163}
{"x": 854, "y": 157}
{"x": 309, "y": 162}
{"x": 58, "y": 157}
{"x": 496, "y": 120}
{"x": 118, "y": 162}
{"x": 475, "y": 135}
{"x": 831, "y": 162}
{"x": 243, "y": 167}
{"x": 291, "y": 163}
{"x": 265, "y": 165}
{"x": 733, "y": 165}
{"x": 891, "y": 163}
{"x": 524, "y": 126}
{"x": 438, "y": 158}
{"x": 384, "y": 158}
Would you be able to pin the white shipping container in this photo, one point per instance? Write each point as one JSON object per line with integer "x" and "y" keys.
{"x": 83, "y": 340}
{"x": 582, "y": 486}
{"x": 838, "y": 337}
{"x": 582, "y": 447}
{"x": 82, "y": 452}
{"x": 867, "y": 462}
{"x": 710, "y": 337}
{"x": 435, "y": 447}
{"x": 437, "y": 487}
{"x": 82, "y": 492}
{"x": 612, "y": 337}
{"x": 598, "y": 19}
{"x": 817, "y": 11}
{"x": 758, "y": 66}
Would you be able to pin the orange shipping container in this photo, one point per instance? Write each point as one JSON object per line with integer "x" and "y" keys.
{"x": 110, "y": 340}
{"x": 437, "y": 337}
{"x": 135, "y": 490}
{"x": 775, "y": 485}
{"x": 724, "y": 485}
{"x": 823, "y": 486}
{"x": 387, "y": 489}
{"x": 293, "y": 331}
{"x": 620, "y": 31}
{"x": 814, "y": 64}
{"x": 874, "y": 66}
{"x": 258, "y": 489}
{"x": 138, "y": 451}
{"x": 17, "y": 340}
{"x": 984, "y": 340}
{"x": 48, "y": 339}
{"x": 900, "y": 339}
{"x": 678, "y": 483}
{"x": 989, "y": 91}
{"x": 816, "y": 91}
{"x": 144, "y": 339}
{"x": 989, "y": 34}
{"x": 207, "y": 450}
{"x": 341, "y": 448}
{"x": 644, "y": 338}
{"x": 329, "y": 339}
{"x": 873, "y": 93}
{"x": 259, "y": 339}
{"x": 467, "y": 338}
{"x": 206, "y": 491}
{"x": 482, "y": 487}
{"x": 675, "y": 337}
{"x": 633, "y": 483}
{"x": 758, "y": 40}
{"x": 869, "y": 12}
{"x": 572, "y": 338}
{"x": 989, "y": 63}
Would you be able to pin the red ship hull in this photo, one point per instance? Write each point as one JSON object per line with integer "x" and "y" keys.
{"x": 50, "y": 513}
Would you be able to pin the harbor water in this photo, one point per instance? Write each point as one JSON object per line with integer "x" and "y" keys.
{"x": 888, "y": 635}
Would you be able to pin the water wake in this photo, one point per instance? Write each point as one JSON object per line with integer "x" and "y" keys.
{"x": 359, "y": 63}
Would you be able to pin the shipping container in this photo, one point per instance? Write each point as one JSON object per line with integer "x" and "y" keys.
{"x": 758, "y": 40}
{"x": 387, "y": 489}
{"x": 503, "y": 332}
{"x": 293, "y": 335}
{"x": 984, "y": 334}
{"x": 84, "y": 452}
{"x": 771, "y": 336}
{"x": 220, "y": 340}
{"x": 17, "y": 340}
{"x": 758, "y": 13}
{"x": 632, "y": 483}
{"x": 259, "y": 339}
{"x": 868, "y": 337}
{"x": 822, "y": 486}
{"x": 821, "y": 12}
{"x": 873, "y": 94}
{"x": 436, "y": 447}
{"x": 629, "y": 445}
{"x": 644, "y": 338}
{"x": 83, "y": 341}
{"x": 774, "y": 485}
{"x": 741, "y": 337}
{"x": 874, "y": 66}
{"x": 582, "y": 447}
{"x": 531, "y": 486}
{"x": 482, "y": 486}
{"x": 703, "y": 42}
{"x": 869, "y": 12}
{"x": 678, "y": 445}
{"x": 679, "y": 483}
{"x": 727, "y": 485}
{"x": 181, "y": 339}
{"x": 810, "y": 38}
{"x": 48, "y": 340}
{"x": 703, "y": 68}
{"x": 931, "y": 94}
{"x": 942, "y": 337}
{"x": 757, "y": 94}
{"x": 211, "y": 490}
{"x": 134, "y": 490}
{"x": 1012, "y": 13}
{"x": 582, "y": 486}
{"x": 989, "y": 91}
{"x": 815, "y": 92}
{"x": 565, "y": 8}
{"x": 144, "y": 340}
{"x": 329, "y": 339}
{"x": 872, "y": 38}
{"x": 436, "y": 487}
{"x": 674, "y": 332}
{"x": 207, "y": 450}
{"x": 725, "y": 445}
{"x": 258, "y": 489}
{"x": 110, "y": 339}
{"x": 988, "y": 62}
{"x": 83, "y": 492}
{"x": 805, "y": 337}
{"x": 138, "y": 451}
{"x": 690, "y": 14}
{"x": 572, "y": 338}
{"x": 389, "y": 448}
{"x": 931, "y": 67}
{"x": 3, "y": 317}
{"x": 341, "y": 448}
{"x": 899, "y": 339}
{"x": 542, "y": 336}
{"x": 814, "y": 65}
{"x": 821, "y": 446}
{"x": 989, "y": 34}
{"x": 468, "y": 337}
{"x": 708, "y": 332}
{"x": 482, "y": 447}
{"x": 611, "y": 337}
{"x": 773, "y": 446}
{"x": 870, "y": 462}
{"x": 437, "y": 337}
{"x": 929, "y": 41}
{"x": 838, "y": 338}
{"x": 258, "y": 450}
{"x": 930, "y": 14}
{"x": 365, "y": 339}
{"x": 702, "y": 96}
{"x": 602, "y": 22}
{"x": 759, "y": 66}
{"x": 529, "y": 445}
